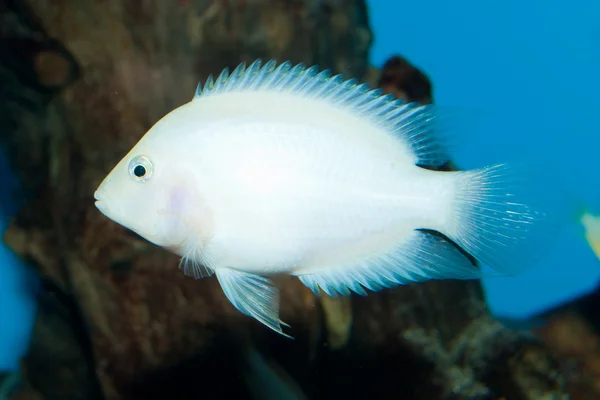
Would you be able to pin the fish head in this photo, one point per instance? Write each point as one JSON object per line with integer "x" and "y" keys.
{"x": 152, "y": 192}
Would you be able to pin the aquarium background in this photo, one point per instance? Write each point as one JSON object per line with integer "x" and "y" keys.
{"x": 531, "y": 68}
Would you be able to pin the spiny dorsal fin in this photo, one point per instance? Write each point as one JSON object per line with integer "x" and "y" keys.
{"x": 412, "y": 122}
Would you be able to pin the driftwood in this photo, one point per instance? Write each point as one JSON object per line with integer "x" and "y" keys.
{"x": 79, "y": 84}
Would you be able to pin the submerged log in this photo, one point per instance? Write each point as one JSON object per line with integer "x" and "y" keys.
{"x": 80, "y": 84}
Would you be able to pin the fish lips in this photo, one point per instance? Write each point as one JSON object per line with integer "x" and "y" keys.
{"x": 100, "y": 203}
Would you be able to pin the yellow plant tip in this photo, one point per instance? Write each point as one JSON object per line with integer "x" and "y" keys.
{"x": 591, "y": 223}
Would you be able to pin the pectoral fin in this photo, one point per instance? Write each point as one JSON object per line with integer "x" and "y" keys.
{"x": 193, "y": 268}
{"x": 253, "y": 295}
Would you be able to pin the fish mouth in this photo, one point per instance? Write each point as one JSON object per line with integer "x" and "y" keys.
{"x": 101, "y": 206}
{"x": 99, "y": 203}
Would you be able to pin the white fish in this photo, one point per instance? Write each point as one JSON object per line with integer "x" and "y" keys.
{"x": 282, "y": 169}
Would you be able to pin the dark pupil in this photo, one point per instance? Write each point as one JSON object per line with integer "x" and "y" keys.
{"x": 139, "y": 171}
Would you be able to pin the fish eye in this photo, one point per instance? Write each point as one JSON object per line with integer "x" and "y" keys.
{"x": 140, "y": 169}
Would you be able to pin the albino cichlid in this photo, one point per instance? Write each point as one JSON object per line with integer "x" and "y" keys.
{"x": 283, "y": 169}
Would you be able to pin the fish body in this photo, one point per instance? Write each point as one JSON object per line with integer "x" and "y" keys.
{"x": 282, "y": 169}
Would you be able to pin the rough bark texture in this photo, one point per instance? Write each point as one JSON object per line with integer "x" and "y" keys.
{"x": 572, "y": 332}
{"x": 79, "y": 84}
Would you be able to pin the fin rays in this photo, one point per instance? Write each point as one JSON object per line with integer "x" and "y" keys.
{"x": 413, "y": 123}
{"x": 253, "y": 295}
{"x": 500, "y": 217}
{"x": 193, "y": 264}
{"x": 423, "y": 257}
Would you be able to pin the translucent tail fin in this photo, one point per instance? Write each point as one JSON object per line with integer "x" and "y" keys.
{"x": 504, "y": 217}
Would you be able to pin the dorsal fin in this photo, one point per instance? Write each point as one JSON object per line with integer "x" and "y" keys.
{"x": 412, "y": 122}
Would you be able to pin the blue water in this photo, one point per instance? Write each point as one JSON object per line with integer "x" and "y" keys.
{"x": 534, "y": 64}
{"x": 17, "y": 307}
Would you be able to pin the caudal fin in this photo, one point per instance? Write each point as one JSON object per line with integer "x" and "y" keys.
{"x": 504, "y": 218}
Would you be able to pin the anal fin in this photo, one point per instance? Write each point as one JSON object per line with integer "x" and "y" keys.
{"x": 421, "y": 257}
{"x": 253, "y": 295}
